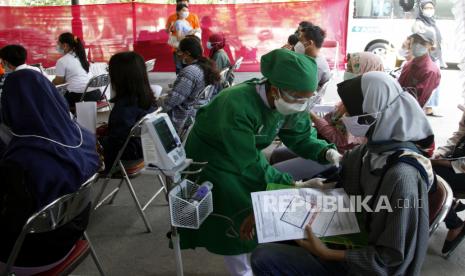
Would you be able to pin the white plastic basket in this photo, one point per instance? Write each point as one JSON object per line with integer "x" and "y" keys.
{"x": 186, "y": 214}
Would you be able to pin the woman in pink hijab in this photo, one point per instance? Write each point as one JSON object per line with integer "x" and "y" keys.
{"x": 331, "y": 127}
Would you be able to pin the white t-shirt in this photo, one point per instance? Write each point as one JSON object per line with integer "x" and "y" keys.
{"x": 69, "y": 67}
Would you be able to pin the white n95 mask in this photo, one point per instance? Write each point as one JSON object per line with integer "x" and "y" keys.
{"x": 286, "y": 108}
{"x": 355, "y": 128}
{"x": 428, "y": 13}
{"x": 299, "y": 48}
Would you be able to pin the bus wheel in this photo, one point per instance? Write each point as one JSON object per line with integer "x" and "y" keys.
{"x": 379, "y": 49}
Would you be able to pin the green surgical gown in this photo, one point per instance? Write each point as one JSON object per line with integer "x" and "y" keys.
{"x": 229, "y": 133}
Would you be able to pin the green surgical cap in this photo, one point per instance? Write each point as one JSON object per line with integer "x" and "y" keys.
{"x": 289, "y": 70}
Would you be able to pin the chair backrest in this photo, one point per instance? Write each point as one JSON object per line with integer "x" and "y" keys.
{"x": 54, "y": 215}
{"x": 238, "y": 63}
{"x": 97, "y": 82}
{"x": 134, "y": 132}
{"x": 439, "y": 203}
{"x": 204, "y": 96}
{"x": 150, "y": 64}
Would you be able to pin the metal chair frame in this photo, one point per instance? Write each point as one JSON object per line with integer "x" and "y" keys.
{"x": 150, "y": 64}
{"x": 102, "y": 80}
{"x": 54, "y": 215}
{"x": 447, "y": 204}
{"x": 125, "y": 177}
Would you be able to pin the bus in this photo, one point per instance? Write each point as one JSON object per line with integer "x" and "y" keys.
{"x": 381, "y": 26}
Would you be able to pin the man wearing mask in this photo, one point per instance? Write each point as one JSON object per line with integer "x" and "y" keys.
{"x": 425, "y": 21}
{"x": 13, "y": 58}
{"x": 230, "y": 133}
{"x": 311, "y": 39}
{"x": 421, "y": 73}
{"x": 194, "y": 22}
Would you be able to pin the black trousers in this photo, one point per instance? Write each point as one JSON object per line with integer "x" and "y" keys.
{"x": 457, "y": 184}
{"x": 92, "y": 96}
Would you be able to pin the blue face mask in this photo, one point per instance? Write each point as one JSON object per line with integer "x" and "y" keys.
{"x": 209, "y": 45}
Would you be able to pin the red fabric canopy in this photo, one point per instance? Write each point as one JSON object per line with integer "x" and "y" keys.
{"x": 250, "y": 29}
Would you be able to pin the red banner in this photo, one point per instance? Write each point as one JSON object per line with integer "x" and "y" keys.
{"x": 250, "y": 29}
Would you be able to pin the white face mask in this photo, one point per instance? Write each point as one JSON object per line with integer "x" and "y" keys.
{"x": 286, "y": 108}
{"x": 60, "y": 50}
{"x": 299, "y": 48}
{"x": 349, "y": 75}
{"x": 403, "y": 53}
{"x": 355, "y": 128}
{"x": 418, "y": 50}
{"x": 184, "y": 15}
{"x": 209, "y": 45}
{"x": 428, "y": 13}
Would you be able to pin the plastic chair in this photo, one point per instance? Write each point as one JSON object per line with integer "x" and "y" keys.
{"x": 440, "y": 203}
{"x": 98, "y": 82}
{"x": 333, "y": 44}
{"x": 150, "y": 64}
{"x": 54, "y": 215}
{"x": 124, "y": 170}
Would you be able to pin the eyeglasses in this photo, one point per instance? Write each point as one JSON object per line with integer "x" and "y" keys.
{"x": 292, "y": 99}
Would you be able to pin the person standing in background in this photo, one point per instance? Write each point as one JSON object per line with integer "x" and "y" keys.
{"x": 425, "y": 22}
{"x": 193, "y": 20}
{"x": 215, "y": 44}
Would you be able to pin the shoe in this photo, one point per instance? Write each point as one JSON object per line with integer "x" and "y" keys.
{"x": 434, "y": 115}
{"x": 449, "y": 246}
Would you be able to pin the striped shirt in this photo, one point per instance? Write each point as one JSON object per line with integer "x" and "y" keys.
{"x": 397, "y": 240}
{"x": 180, "y": 102}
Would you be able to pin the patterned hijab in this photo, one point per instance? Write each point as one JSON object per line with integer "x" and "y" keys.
{"x": 363, "y": 62}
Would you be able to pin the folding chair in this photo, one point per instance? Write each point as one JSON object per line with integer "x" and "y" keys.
{"x": 124, "y": 170}
{"x": 98, "y": 82}
{"x": 440, "y": 203}
{"x": 333, "y": 44}
{"x": 229, "y": 75}
{"x": 204, "y": 96}
{"x": 54, "y": 215}
{"x": 150, "y": 64}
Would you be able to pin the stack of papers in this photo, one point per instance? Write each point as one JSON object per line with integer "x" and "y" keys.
{"x": 283, "y": 214}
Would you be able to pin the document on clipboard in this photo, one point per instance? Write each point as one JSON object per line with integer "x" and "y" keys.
{"x": 283, "y": 214}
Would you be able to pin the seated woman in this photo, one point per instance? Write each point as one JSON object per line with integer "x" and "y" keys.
{"x": 454, "y": 174}
{"x": 331, "y": 127}
{"x": 215, "y": 44}
{"x": 133, "y": 100}
{"x": 48, "y": 155}
{"x": 192, "y": 79}
{"x": 396, "y": 241}
{"x": 73, "y": 68}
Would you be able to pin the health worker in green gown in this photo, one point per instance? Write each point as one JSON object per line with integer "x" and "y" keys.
{"x": 230, "y": 133}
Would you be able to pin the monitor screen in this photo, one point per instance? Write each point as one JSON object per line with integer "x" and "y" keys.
{"x": 166, "y": 137}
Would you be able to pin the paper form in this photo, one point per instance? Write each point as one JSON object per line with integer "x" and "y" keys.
{"x": 283, "y": 214}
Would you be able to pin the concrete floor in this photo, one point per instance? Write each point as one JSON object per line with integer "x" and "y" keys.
{"x": 124, "y": 247}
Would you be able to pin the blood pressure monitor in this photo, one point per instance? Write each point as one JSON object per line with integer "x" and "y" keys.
{"x": 161, "y": 145}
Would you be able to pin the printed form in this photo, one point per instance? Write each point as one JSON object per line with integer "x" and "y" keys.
{"x": 283, "y": 214}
